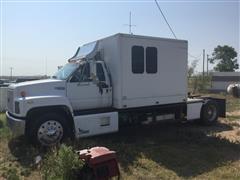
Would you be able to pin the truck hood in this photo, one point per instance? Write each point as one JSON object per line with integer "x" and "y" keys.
{"x": 45, "y": 87}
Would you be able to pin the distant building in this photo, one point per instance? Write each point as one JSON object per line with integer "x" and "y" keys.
{"x": 221, "y": 80}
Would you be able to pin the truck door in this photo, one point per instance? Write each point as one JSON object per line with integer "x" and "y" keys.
{"x": 83, "y": 92}
{"x": 104, "y": 84}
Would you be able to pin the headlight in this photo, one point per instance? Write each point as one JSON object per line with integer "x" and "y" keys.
{"x": 17, "y": 109}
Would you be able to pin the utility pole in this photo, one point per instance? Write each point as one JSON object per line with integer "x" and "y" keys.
{"x": 11, "y": 69}
{"x": 203, "y": 62}
{"x": 130, "y": 25}
{"x": 207, "y": 63}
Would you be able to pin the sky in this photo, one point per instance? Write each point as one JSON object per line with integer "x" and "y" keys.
{"x": 38, "y": 36}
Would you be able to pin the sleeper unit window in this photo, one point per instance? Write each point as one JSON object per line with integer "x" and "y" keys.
{"x": 137, "y": 59}
{"x": 151, "y": 60}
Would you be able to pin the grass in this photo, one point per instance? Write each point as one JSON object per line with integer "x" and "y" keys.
{"x": 167, "y": 150}
{"x": 62, "y": 163}
{"x": 170, "y": 151}
{"x": 4, "y": 131}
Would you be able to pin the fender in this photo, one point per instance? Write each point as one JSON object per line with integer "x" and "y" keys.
{"x": 28, "y": 103}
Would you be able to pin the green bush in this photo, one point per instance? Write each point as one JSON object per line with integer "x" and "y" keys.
{"x": 11, "y": 174}
{"x": 4, "y": 130}
{"x": 61, "y": 164}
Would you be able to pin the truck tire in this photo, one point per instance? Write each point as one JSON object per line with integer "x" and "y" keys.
{"x": 209, "y": 112}
{"x": 48, "y": 129}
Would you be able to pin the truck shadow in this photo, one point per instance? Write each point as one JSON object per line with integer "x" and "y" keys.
{"x": 187, "y": 149}
{"x": 24, "y": 152}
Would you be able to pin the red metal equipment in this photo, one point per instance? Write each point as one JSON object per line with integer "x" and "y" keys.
{"x": 102, "y": 161}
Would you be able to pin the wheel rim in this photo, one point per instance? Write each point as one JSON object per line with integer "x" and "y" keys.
{"x": 50, "y": 133}
{"x": 211, "y": 113}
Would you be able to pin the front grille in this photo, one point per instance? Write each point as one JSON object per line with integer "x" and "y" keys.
{"x": 10, "y": 100}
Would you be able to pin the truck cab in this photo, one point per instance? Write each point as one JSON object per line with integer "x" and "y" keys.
{"x": 82, "y": 84}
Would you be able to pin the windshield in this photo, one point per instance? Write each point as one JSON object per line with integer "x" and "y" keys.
{"x": 65, "y": 71}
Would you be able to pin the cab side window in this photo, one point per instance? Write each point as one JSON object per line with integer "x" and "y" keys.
{"x": 86, "y": 73}
{"x": 100, "y": 72}
{"x": 82, "y": 74}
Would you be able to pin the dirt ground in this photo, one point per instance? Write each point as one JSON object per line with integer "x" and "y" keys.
{"x": 232, "y": 135}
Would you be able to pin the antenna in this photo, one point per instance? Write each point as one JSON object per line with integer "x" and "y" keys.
{"x": 130, "y": 25}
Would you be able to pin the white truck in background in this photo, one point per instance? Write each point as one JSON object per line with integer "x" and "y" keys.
{"x": 119, "y": 80}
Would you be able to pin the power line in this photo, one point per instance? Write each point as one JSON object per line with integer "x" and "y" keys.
{"x": 170, "y": 26}
{"x": 195, "y": 57}
{"x": 165, "y": 19}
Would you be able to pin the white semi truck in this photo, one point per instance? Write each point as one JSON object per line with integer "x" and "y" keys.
{"x": 119, "y": 80}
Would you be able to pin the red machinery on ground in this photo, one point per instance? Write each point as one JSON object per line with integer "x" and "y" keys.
{"x": 101, "y": 162}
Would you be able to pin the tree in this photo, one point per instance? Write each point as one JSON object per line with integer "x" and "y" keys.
{"x": 191, "y": 68}
{"x": 226, "y": 57}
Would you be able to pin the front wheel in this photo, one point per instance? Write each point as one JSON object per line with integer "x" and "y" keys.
{"x": 209, "y": 112}
{"x": 48, "y": 130}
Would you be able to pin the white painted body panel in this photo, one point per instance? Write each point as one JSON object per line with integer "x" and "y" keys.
{"x": 85, "y": 95}
{"x": 39, "y": 88}
{"x": 29, "y": 103}
{"x": 194, "y": 107}
{"x": 168, "y": 85}
{"x": 39, "y": 93}
{"x": 94, "y": 124}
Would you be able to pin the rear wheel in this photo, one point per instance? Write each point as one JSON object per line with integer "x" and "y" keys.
{"x": 48, "y": 129}
{"x": 209, "y": 112}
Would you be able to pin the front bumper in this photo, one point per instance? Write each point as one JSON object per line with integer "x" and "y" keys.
{"x": 17, "y": 126}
